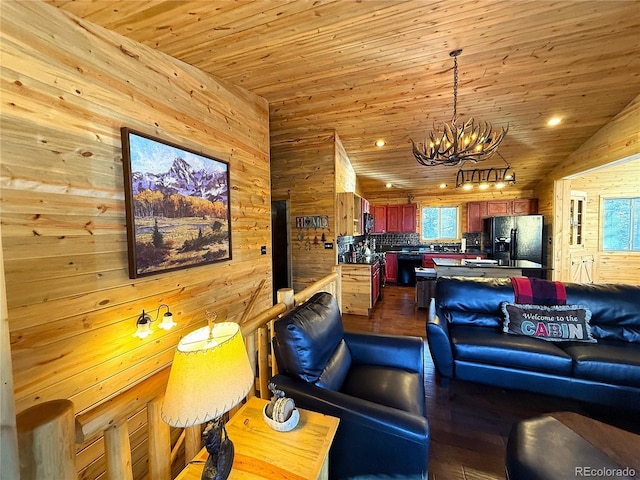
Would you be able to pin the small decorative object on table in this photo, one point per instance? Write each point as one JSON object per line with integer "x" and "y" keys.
{"x": 281, "y": 413}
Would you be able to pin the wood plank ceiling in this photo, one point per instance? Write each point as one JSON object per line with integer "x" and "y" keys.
{"x": 380, "y": 69}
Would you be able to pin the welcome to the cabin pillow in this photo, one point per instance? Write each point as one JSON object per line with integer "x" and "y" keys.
{"x": 556, "y": 323}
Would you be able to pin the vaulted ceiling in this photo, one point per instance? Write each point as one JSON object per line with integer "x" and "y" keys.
{"x": 380, "y": 69}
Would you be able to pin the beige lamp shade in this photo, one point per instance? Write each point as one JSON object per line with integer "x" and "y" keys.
{"x": 210, "y": 375}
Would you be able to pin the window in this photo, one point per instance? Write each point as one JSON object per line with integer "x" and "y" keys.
{"x": 621, "y": 224}
{"x": 439, "y": 223}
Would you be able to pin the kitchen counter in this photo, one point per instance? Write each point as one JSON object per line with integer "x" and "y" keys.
{"x": 361, "y": 261}
{"x": 446, "y": 267}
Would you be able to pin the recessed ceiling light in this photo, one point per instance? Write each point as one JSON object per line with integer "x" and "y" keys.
{"x": 388, "y": 185}
{"x": 380, "y": 143}
{"x": 554, "y": 121}
{"x": 443, "y": 185}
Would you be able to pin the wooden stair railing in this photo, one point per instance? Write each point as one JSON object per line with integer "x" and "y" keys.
{"x": 110, "y": 418}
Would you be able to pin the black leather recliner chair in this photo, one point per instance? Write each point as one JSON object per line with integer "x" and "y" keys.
{"x": 373, "y": 383}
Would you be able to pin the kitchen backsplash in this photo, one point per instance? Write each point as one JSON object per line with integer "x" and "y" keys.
{"x": 390, "y": 239}
{"x": 396, "y": 241}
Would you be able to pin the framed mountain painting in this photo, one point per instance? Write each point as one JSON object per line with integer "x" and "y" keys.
{"x": 177, "y": 205}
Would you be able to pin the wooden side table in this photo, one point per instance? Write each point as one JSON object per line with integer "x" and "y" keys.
{"x": 263, "y": 453}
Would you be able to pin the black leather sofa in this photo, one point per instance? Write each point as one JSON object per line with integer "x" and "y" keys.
{"x": 464, "y": 333}
{"x": 374, "y": 384}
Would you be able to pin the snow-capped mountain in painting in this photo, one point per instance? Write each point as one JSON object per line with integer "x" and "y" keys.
{"x": 181, "y": 178}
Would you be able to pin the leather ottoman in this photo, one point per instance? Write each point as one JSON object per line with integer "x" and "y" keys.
{"x": 566, "y": 445}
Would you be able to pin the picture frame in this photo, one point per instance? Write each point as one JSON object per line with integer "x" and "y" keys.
{"x": 177, "y": 205}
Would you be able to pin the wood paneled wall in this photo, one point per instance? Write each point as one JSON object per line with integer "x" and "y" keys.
{"x": 618, "y": 140}
{"x": 308, "y": 173}
{"x": 615, "y": 181}
{"x": 304, "y": 174}
{"x": 345, "y": 174}
{"x": 67, "y": 88}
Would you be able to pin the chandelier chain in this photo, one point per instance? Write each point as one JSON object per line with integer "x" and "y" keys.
{"x": 455, "y": 87}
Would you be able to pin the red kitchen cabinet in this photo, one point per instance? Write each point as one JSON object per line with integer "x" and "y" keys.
{"x": 379, "y": 218}
{"x": 391, "y": 267}
{"x": 393, "y": 218}
{"x": 476, "y": 212}
{"x": 375, "y": 284}
{"x": 524, "y": 206}
{"x": 496, "y": 208}
{"x": 408, "y": 218}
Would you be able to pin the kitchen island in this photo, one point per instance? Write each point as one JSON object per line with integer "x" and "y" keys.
{"x": 361, "y": 286}
{"x": 449, "y": 267}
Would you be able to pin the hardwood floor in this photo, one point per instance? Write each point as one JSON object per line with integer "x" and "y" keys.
{"x": 469, "y": 422}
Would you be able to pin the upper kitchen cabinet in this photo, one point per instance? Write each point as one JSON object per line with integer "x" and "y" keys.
{"x": 350, "y": 210}
{"x": 524, "y": 206}
{"x": 408, "y": 218}
{"x": 477, "y": 211}
{"x": 393, "y": 218}
{"x": 379, "y": 218}
{"x": 399, "y": 218}
{"x": 496, "y": 208}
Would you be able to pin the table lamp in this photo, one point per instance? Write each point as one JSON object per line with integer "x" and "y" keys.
{"x": 210, "y": 375}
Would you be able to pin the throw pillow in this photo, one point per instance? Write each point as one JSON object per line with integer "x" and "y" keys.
{"x": 555, "y": 323}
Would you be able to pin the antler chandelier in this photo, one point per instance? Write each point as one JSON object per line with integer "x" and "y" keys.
{"x": 453, "y": 144}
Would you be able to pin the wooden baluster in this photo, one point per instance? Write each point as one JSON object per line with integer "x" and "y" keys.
{"x": 264, "y": 372}
{"x": 46, "y": 434}
{"x": 285, "y": 296}
{"x": 192, "y": 442}
{"x": 159, "y": 442}
{"x": 117, "y": 450}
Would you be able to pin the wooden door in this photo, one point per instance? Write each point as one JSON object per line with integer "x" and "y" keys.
{"x": 582, "y": 267}
{"x": 280, "y": 245}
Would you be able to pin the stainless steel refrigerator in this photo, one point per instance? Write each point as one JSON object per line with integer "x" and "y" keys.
{"x": 513, "y": 238}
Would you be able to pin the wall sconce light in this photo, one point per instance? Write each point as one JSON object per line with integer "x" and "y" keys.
{"x": 143, "y": 324}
